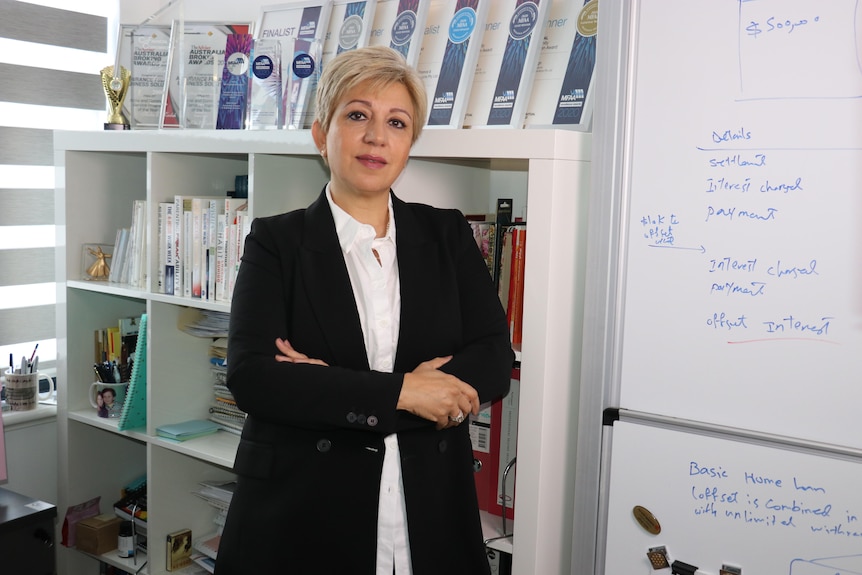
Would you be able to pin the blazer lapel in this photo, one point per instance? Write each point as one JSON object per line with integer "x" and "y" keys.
{"x": 419, "y": 271}
{"x": 328, "y": 287}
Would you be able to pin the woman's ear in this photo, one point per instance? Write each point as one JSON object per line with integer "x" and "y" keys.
{"x": 319, "y": 137}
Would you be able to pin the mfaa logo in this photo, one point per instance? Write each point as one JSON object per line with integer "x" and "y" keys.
{"x": 446, "y": 97}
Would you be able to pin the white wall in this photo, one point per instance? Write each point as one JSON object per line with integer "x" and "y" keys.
{"x": 136, "y": 11}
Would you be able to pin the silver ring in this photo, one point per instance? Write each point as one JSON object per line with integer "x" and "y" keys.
{"x": 457, "y": 419}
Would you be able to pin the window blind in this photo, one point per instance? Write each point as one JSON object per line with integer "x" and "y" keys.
{"x": 50, "y": 56}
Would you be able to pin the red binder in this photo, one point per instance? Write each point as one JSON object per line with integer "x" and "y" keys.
{"x": 504, "y": 441}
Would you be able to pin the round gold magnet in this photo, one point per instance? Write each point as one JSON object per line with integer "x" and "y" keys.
{"x": 646, "y": 519}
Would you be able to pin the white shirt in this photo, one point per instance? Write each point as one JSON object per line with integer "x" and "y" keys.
{"x": 376, "y": 289}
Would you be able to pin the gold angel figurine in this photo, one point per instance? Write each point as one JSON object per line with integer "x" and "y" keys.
{"x": 116, "y": 86}
{"x": 100, "y": 268}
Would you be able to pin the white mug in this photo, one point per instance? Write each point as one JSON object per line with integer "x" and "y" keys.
{"x": 108, "y": 398}
{"x": 22, "y": 390}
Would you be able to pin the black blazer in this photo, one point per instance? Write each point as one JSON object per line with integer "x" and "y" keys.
{"x": 311, "y": 454}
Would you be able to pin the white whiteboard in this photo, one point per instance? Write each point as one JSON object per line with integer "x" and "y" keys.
{"x": 767, "y": 510}
{"x": 742, "y": 281}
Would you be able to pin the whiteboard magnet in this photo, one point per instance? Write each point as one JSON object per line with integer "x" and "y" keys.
{"x": 730, "y": 570}
{"x": 646, "y": 519}
{"x": 658, "y": 557}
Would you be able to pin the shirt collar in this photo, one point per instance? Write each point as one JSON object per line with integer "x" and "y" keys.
{"x": 348, "y": 228}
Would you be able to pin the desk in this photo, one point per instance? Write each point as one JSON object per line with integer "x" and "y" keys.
{"x": 31, "y": 452}
{"x": 26, "y": 535}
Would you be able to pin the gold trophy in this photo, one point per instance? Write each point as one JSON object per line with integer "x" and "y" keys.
{"x": 116, "y": 87}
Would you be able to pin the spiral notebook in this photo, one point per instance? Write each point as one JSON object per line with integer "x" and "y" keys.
{"x": 134, "y": 412}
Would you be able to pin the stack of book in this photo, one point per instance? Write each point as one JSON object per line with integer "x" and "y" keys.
{"x": 128, "y": 262}
{"x": 503, "y": 243}
{"x": 200, "y": 243}
{"x": 223, "y": 410}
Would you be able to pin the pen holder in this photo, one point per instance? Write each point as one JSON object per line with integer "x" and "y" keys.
{"x": 22, "y": 390}
{"x": 108, "y": 398}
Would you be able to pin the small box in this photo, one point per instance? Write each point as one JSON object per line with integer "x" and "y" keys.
{"x": 98, "y": 534}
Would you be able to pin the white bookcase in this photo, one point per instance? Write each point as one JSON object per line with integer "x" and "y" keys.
{"x": 546, "y": 172}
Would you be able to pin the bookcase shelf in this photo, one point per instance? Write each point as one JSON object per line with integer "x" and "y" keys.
{"x": 100, "y": 174}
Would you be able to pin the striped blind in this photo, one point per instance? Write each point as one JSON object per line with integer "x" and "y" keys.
{"x": 51, "y": 52}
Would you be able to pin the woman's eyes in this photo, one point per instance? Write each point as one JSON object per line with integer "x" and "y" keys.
{"x": 357, "y": 116}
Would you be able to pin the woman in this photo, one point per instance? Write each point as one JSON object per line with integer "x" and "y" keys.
{"x": 363, "y": 331}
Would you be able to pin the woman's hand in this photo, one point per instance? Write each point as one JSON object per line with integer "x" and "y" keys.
{"x": 437, "y": 396}
{"x": 290, "y": 355}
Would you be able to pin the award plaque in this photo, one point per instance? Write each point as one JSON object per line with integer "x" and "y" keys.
{"x": 265, "y": 86}
{"x": 505, "y": 68}
{"x": 234, "y": 83}
{"x": 349, "y": 27}
{"x": 116, "y": 87}
{"x": 197, "y": 68}
{"x": 302, "y": 84}
{"x": 146, "y": 51}
{"x": 300, "y": 26}
{"x": 448, "y": 60}
{"x": 561, "y": 94}
{"x": 400, "y": 25}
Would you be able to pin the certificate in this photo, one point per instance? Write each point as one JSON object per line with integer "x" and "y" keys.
{"x": 448, "y": 59}
{"x": 400, "y": 24}
{"x": 561, "y": 91}
{"x": 506, "y": 64}
{"x": 349, "y": 27}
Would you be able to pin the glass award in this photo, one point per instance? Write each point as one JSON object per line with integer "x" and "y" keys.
{"x": 265, "y": 86}
{"x": 197, "y": 69}
{"x": 349, "y": 27}
{"x": 232, "y": 103}
{"x": 302, "y": 84}
{"x": 145, "y": 50}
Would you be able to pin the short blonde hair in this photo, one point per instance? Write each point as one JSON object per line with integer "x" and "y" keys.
{"x": 379, "y": 65}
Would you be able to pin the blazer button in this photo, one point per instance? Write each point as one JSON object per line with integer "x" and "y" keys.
{"x": 372, "y": 420}
{"x": 442, "y": 446}
{"x": 351, "y": 417}
{"x": 361, "y": 419}
{"x": 324, "y": 445}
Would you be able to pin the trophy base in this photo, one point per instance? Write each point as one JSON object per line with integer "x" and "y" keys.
{"x": 117, "y": 126}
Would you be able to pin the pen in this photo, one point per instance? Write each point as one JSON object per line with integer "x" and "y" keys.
{"x": 32, "y": 355}
{"x": 23, "y": 369}
{"x": 98, "y": 375}
{"x": 35, "y": 366}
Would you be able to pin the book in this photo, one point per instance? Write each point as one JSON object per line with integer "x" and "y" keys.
{"x": 504, "y": 443}
{"x": 480, "y": 438}
{"x": 166, "y": 243}
{"x": 515, "y": 303}
{"x": 134, "y": 412}
{"x": 179, "y": 549}
{"x": 186, "y": 430}
{"x": 185, "y": 244}
{"x": 231, "y": 206}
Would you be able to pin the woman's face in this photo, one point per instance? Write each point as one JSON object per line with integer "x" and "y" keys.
{"x": 369, "y": 139}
